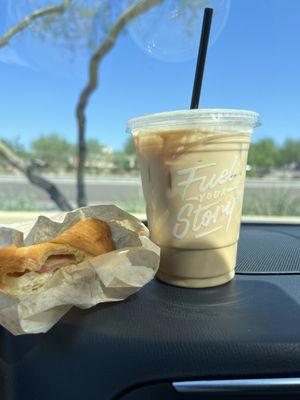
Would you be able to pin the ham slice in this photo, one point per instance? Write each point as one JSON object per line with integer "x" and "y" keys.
{"x": 52, "y": 263}
{"x": 17, "y": 274}
{"x": 57, "y": 261}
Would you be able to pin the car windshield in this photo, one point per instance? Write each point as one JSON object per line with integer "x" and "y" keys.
{"x": 73, "y": 73}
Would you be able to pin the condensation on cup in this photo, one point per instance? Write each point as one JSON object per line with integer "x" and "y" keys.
{"x": 193, "y": 166}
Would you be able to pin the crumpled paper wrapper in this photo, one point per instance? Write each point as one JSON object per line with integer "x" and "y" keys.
{"x": 109, "y": 277}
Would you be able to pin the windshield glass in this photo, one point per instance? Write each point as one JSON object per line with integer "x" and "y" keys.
{"x": 74, "y": 72}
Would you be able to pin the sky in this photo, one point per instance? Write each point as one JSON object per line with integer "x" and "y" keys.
{"x": 253, "y": 64}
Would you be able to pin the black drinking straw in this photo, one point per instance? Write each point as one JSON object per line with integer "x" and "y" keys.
{"x": 208, "y": 12}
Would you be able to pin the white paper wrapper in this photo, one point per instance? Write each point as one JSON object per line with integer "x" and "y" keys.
{"x": 109, "y": 277}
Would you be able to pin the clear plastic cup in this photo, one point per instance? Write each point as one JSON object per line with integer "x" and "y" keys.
{"x": 193, "y": 166}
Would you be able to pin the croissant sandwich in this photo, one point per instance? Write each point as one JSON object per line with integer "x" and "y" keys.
{"x": 27, "y": 268}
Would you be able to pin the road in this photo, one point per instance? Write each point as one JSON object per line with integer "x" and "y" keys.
{"x": 99, "y": 190}
{"x": 115, "y": 189}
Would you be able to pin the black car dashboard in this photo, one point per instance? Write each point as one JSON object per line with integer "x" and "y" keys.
{"x": 239, "y": 340}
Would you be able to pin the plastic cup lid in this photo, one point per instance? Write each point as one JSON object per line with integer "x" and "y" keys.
{"x": 196, "y": 118}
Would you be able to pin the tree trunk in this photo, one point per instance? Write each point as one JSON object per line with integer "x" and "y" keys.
{"x": 81, "y": 196}
{"x": 36, "y": 179}
{"x": 131, "y": 13}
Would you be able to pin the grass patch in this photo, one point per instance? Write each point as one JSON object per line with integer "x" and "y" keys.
{"x": 20, "y": 203}
{"x": 272, "y": 202}
{"x": 134, "y": 205}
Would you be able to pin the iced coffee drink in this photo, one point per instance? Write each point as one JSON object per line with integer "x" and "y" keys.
{"x": 193, "y": 166}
